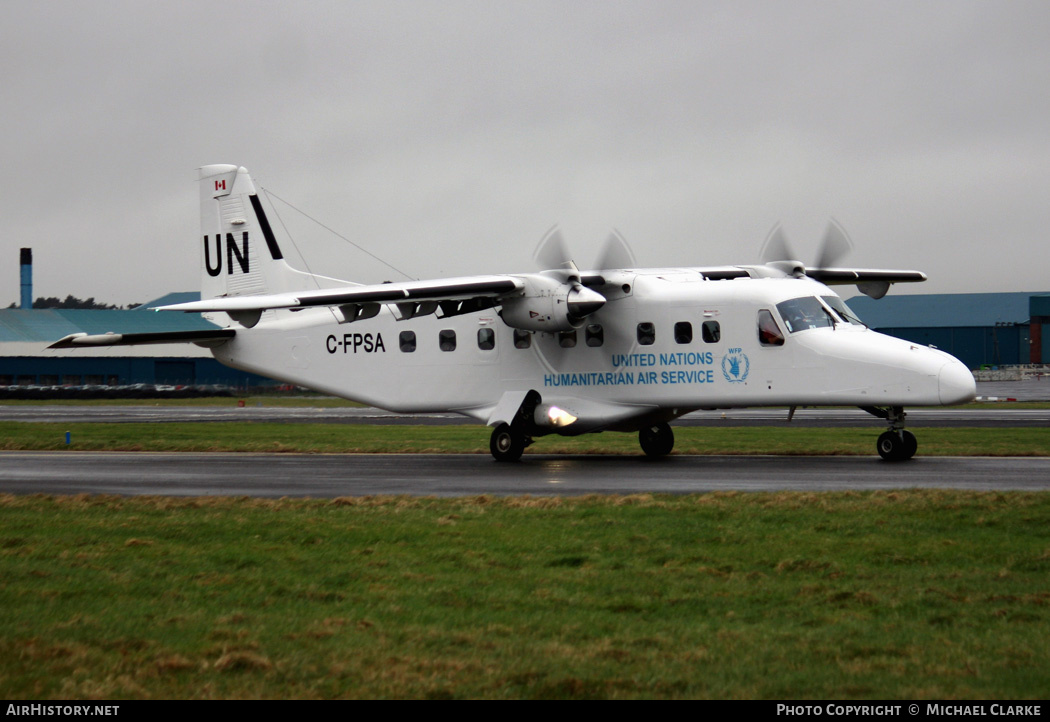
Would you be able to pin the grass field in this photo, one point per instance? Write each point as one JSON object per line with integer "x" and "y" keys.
{"x": 368, "y": 438}
{"x": 921, "y": 594}
{"x": 912, "y": 594}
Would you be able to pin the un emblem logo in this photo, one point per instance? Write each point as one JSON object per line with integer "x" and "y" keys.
{"x": 735, "y": 366}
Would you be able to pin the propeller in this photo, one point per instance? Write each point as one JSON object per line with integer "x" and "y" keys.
{"x": 552, "y": 255}
{"x": 615, "y": 253}
{"x": 776, "y": 248}
{"x": 834, "y": 246}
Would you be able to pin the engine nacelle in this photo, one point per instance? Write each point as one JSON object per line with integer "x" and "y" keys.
{"x": 550, "y": 304}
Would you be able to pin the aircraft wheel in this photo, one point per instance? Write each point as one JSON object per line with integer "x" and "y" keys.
{"x": 656, "y": 440}
{"x": 911, "y": 444}
{"x": 897, "y": 447}
{"x": 506, "y": 444}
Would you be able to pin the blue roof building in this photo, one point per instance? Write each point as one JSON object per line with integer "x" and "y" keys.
{"x": 942, "y": 309}
{"x": 980, "y": 329}
{"x": 26, "y": 360}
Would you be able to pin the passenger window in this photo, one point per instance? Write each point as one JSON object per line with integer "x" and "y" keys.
{"x": 447, "y": 340}
{"x": 711, "y": 332}
{"x": 769, "y": 333}
{"x": 486, "y": 339}
{"x": 683, "y": 332}
{"x": 646, "y": 333}
{"x": 595, "y": 334}
{"x": 407, "y": 341}
{"x": 522, "y": 339}
{"x": 567, "y": 339}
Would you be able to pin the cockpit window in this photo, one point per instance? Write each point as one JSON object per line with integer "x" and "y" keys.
{"x": 805, "y": 313}
{"x": 769, "y": 333}
{"x": 842, "y": 310}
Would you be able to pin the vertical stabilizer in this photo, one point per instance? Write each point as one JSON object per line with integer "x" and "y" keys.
{"x": 239, "y": 253}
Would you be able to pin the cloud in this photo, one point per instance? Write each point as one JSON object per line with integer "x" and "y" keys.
{"x": 448, "y": 136}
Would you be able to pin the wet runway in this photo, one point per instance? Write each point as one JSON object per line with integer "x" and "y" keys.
{"x": 334, "y": 475}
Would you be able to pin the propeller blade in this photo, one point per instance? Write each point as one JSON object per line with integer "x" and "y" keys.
{"x": 552, "y": 253}
{"x": 776, "y": 247}
{"x": 615, "y": 254}
{"x": 835, "y": 245}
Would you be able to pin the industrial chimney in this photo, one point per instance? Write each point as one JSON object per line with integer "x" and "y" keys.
{"x": 27, "y": 278}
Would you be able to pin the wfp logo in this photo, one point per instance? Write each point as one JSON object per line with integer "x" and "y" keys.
{"x": 735, "y": 366}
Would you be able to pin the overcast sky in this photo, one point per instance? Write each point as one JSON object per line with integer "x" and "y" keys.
{"x": 446, "y": 137}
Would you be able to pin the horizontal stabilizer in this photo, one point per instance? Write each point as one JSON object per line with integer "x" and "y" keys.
{"x": 201, "y": 338}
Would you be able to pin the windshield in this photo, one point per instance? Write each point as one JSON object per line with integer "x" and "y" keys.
{"x": 804, "y": 313}
{"x": 842, "y": 310}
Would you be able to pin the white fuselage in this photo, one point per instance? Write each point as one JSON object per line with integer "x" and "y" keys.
{"x": 655, "y": 359}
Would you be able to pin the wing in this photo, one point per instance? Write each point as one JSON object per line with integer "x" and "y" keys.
{"x": 847, "y": 276}
{"x": 873, "y": 282}
{"x": 453, "y": 296}
{"x": 869, "y": 281}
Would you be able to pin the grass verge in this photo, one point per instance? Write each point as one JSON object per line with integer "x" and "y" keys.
{"x": 918, "y": 594}
{"x": 368, "y": 438}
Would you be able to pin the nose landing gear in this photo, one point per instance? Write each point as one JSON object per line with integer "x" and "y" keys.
{"x": 897, "y": 443}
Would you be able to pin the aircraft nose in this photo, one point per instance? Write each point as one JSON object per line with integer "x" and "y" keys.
{"x": 955, "y": 384}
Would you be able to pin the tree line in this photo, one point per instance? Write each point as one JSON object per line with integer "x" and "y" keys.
{"x": 74, "y": 302}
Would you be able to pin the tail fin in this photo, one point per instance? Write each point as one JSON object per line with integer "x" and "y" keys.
{"x": 239, "y": 254}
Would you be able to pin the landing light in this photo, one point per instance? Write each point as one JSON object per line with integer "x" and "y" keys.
{"x": 553, "y": 416}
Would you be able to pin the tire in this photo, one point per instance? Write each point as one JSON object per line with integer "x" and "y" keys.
{"x": 896, "y": 447}
{"x": 506, "y": 444}
{"x": 656, "y": 440}
{"x": 911, "y": 445}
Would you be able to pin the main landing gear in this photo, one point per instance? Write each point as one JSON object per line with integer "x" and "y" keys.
{"x": 896, "y": 443}
{"x": 508, "y": 443}
{"x": 656, "y": 440}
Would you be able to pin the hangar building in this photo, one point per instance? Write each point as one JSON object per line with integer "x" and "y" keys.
{"x": 25, "y": 360}
{"x": 980, "y": 329}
